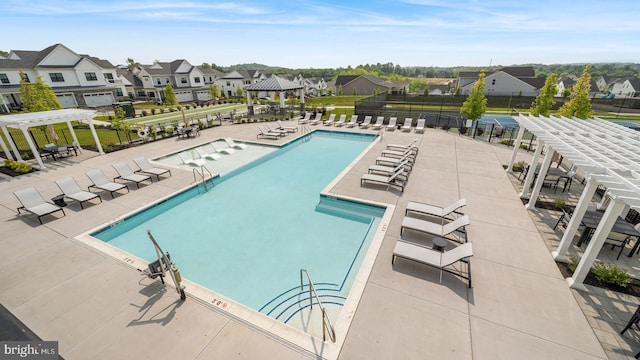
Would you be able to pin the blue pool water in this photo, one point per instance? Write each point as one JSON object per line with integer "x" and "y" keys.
{"x": 248, "y": 237}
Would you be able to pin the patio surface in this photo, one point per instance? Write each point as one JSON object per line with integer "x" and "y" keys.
{"x": 519, "y": 307}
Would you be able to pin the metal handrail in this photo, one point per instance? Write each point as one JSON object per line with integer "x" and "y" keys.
{"x": 201, "y": 173}
{"x": 326, "y": 322}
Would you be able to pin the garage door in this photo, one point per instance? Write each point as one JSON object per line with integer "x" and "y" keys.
{"x": 67, "y": 100}
{"x": 98, "y": 99}
{"x": 184, "y": 96}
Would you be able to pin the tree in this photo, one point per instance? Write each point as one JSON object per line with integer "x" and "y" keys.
{"x": 4, "y": 53}
{"x": 238, "y": 91}
{"x": 340, "y": 90}
{"x": 214, "y": 91}
{"x": 170, "y": 98}
{"x": 37, "y": 96}
{"x": 476, "y": 104}
{"x": 132, "y": 63}
{"x": 580, "y": 104}
{"x": 545, "y": 100}
{"x": 330, "y": 91}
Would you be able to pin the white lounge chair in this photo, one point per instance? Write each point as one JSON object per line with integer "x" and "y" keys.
{"x": 433, "y": 228}
{"x": 72, "y": 190}
{"x": 316, "y": 120}
{"x": 399, "y": 154}
{"x": 32, "y": 201}
{"x": 204, "y": 154}
{"x": 407, "y": 125}
{"x": 367, "y": 122}
{"x": 420, "y": 126}
{"x": 438, "y": 259}
{"x": 276, "y": 130}
{"x": 389, "y": 170}
{"x": 234, "y": 144}
{"x": 434, "y": 210}
{"x": 330, "y": 121}
{"x": 146, "y": 167}
{"x": 411, "y": 145}
{"x": 389, "y": 180}
{"x": 125, "y": 173}
{"x": 222, "y": 149}
{"x": 379, "y": 123}
{"x": 100, "y": 181}
{"x": 306, "y": 118}
{"x": 392, "y": 124}
{"x": 289, "y": 129}
{"x": 266, "y": 133}
{"x": 187, "y": 159}
{"x": 341, "y": 121}
{"x": 381, "y": 160}
{"x": 353, "y": 122}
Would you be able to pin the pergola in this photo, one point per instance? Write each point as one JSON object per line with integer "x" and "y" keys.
{"x": 607, "y": 153}
{"x": 26, "y": 120}
{"x": 277, "y": 84}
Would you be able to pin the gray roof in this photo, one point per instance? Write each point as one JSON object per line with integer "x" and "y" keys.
{"x": 273, "y": 83}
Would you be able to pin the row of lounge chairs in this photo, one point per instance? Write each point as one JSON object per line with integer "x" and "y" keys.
{"x": 211, "y": 151}
{"x": 393, "y": 166}
{"x": 276, "y": 131}
{"x": 32, "y": 201}
{"x": 440, "y": 223}
{"x": 378, "y": 125}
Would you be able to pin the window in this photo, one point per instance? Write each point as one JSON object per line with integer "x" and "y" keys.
{"x": 159, "y": 82}
{"x": 183, "y": 80}
{"x": 196, "y": 80}
{"x": 26, "y": 78}
{"x": 247, "y": 82}
{"x": 228, "y": 83}
{"x": 108, "y": 77}
{"x": 493, "y": 82}
{"x": 142, "y": 93}
{"x": 56, "y": 77}
{"x": 118, "y": 92}
{"x": 91, "y": 76}
{"x": 4, "y": 78}
{"x": 166, "y": 80}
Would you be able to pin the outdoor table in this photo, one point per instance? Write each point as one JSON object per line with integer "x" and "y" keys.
{"x": 591, "y": 220}
{"x": 439, "y": 244}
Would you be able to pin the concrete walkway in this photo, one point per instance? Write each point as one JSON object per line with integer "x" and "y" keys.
{"x": 98, "y": 307}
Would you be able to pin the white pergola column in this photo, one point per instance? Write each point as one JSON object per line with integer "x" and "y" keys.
{"x": 540, "y": 179}
{"x": 531, "y": 172}
{"x": 95, "y": 136}
{"x": 32, "y": 146}
{"x": 516, "y": 147}
{"x": 578, "y": 213}
{"x": 4, "y": 146}
{"x": 302, "y": 105}
{"x": 73, "y": 133}
{"x": 595, "y": 244}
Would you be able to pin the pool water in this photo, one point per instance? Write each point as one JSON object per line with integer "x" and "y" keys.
{"x": 248, "y": 237}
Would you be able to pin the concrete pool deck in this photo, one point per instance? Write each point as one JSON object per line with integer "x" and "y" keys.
{"x": 98, "y": 307}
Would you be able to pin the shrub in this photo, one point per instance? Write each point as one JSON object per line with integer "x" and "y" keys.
{"x": 153, "y": 111}
{"x": 559, "y": 204}
{"x": 463, "y": 130}
{"x": 611, "y": 274}
{"x": 17, "y": 166}
{"x": 187, "y": 107}
{"x": 573, "y": 263}
{"x": 446, "y": 127}
{"x": 161, "y": 110}
{"x": 519, "y": 166}
{"x": 144, "y": 112}
{"x": 524, "y": 146}
{"x": 506, "y": 142}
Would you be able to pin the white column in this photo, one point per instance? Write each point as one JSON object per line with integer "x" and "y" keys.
{"x": 281, "y": 99}
{"x": 578, "y": 213}
{"x": 12, "y": 144}
{"x": 32, "y": 146}
{"x": 95, "y": 136}
{"x": 540, "y": 179}
{"x": 595, "y": 244}
{"x": 4, "y": 146}
{"x": 516, "y": 147}
{"x": 73, "y": 133}
{"x": 532, "y": 169}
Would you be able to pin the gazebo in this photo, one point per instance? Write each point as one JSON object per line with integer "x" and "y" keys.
{"x": 607, "y": 154}
{"x": 276, "y": 84}
{"x": 27, "y": 120}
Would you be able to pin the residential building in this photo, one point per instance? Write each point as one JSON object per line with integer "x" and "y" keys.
{"x": 368, "y": 85}
{"x": 233, "y": 80}
{"x": 626, "y": 87}
{"x": 77, "y": 80}
{"x": 508, "y": 81}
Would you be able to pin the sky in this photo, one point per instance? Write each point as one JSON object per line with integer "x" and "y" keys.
{"x": 330, "y": 34}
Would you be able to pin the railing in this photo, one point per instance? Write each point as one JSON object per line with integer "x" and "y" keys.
{"x": 305, "y": 129}
{"x": 326, "y": 322}
{"x": 201, "y": 174}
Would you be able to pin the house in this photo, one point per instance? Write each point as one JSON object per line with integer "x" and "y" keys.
{"x": 188, "y": 81}
{"x": 233, "y": 80}
{"x": 77, "y": 80}
{"x": 564, "y": 85}
{"x": 368, "y": 85}
{"x": 508, "y": 81}
{"x": 605, "y": 82}
{"x": 315, "y": 86}
{"x": 626, "y": 86}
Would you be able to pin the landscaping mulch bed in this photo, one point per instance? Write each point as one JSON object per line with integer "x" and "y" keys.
{"x": 633, "y": 288}
{"x": 12, "y": 173}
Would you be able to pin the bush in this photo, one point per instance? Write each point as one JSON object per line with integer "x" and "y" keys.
{"x": 463, "y": 130}
{"x": 17, "y": 166}
{"x": 144, "y": 112}
{"x": 573, "y": 263}
{"x": 446, "y": 127}
{"x": 519, "y": 166}
{"x": 506, "y": 142}
{"x": 559, "y": 204}
{"x": 611, "y": 274}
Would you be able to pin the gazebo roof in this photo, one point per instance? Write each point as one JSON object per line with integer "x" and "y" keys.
{"x": 274, "y": 83}
{"x": 606, "y": 151}
{"x": 46, "y": 117}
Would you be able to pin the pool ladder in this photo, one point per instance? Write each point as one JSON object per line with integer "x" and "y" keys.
{"x": 327, "y": 327}
{"x": 201, "y": 174}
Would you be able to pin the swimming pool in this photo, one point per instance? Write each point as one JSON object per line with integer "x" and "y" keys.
{"x": 248, "y": 237}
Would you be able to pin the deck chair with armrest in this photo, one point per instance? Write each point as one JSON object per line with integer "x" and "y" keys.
{"x": 305, "y": 119}
{"x": 389, "y": 170}
{"x": 393, "y": 161}
{"x": 276, "y": 130}
{"x": 397, "y": 179}
{"x": 399, "y": 154}
{"x": 353, "y": 122}
{"x": 400, "y": 147}
{"x": 72, "y": 190}
{"x": 367, "y": 122}
{"x": 263, "y": 132}
{"x": 236, "y": 145}
{"x": 436, "y": 229}
{"x": 341, "y": 121}
{"x": 318, "y": 118}
{"x": 437, "y": 259}
{"x": 434, "y": 210}
{"x": 32, "y": 201}
{"x": 125, "y": 173}
{"x": 280, "y": 126}
{"x": 188, "y": 159}
{"x": 379, "y": 123}
{"x": 145, "y": 167}
{"x": 407, "y": 125}
{"x": 420, "y": 126}
{"x": 620, "y": 240}
{"x": 392, "y": 124}
{"x": 100, "y": 181}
